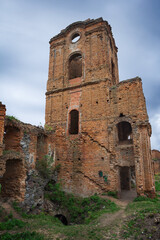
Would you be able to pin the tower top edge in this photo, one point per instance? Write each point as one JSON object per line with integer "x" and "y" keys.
{"x": 83, "y": 24}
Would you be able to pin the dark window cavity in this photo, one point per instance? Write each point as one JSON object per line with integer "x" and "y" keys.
{"x": 124, "y": 131}
{"x": 75, "y": 66}
{"x": 74, "y": 122}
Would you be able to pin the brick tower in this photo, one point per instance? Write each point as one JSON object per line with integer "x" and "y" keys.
{"x": 101, "y": 128}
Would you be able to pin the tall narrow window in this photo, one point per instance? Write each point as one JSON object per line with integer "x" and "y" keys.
{"x": 74, "y": 122}
{"x": 124, "y": 131}
{"x": 75, "y": 66}
{"x": 113, "y": 72}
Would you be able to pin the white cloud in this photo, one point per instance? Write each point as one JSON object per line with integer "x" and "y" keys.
{"x": 155, "y": 139}
{"x": 27, "y": 26}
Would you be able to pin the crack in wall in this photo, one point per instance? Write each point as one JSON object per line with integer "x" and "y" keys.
{"x": 91, "y": 180}
{"x": 93, "y": 140}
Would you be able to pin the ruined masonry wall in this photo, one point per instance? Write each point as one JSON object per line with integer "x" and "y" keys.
{"x": 2, "y": 118}
{"x": 156, "y": 161}
{"x": 96, "y": 149}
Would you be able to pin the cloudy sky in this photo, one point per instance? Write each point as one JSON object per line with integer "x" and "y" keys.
{"x": 26, "y": 27}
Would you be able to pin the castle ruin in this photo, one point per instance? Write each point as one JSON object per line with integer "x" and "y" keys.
{"x": 100, "y": 132}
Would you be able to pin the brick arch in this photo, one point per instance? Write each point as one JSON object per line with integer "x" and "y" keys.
{"x": 13, "y": 180}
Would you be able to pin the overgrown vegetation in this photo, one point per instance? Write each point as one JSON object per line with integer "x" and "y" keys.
{"x": 112, "y": 194}
{"x": 10, "y": 152}
{"x": 142, "y": 223}
{"x": 142, "y": 220}
{"x": 11, "y": 223}
{"x": 157, "y": 182}
{"x": 19, "y": 236}
{"x": 81, "y": 210}
{"x": 12, "y": 118}
{"x": 48, "y": 128}
{"x": 45, "y": 168}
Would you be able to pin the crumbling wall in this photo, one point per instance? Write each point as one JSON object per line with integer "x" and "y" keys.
{"x": 23, "y": 146}
{"x": 112, "y": 130}
{"x": 2, "y": 118}
{"x": 156, "y": 161}
{"x": 12, "y": 178}
{"x": 91, "y": 160}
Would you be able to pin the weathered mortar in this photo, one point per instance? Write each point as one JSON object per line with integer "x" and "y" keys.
{"x": 92, "y": 160}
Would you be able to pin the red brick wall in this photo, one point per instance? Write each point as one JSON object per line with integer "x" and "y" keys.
{"x": 2, "y": 117}
{"x": 156, "y": 161}
{"x": 91, "y": 160}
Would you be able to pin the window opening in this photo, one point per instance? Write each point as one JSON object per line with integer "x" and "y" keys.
{"x": 74, "y": 122}
{"x": 75, "y": 38}
{"x": 113, "y": 72}
{"x": 124, "y": 131}
{"x": 75, "y": 66}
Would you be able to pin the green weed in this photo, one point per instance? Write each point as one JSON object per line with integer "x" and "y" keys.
{"x": 11, "y": 224}
{"x": 19, "y": 236}
{"x": 80, "y": 209}
{"x": 12, "y": 118}
{"x": 112, "y": 194}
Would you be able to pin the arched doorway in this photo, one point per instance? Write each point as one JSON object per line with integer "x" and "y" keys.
{"x": 12, "y": 182}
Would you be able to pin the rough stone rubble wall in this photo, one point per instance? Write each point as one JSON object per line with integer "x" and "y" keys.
{"x": 22, "y": 147}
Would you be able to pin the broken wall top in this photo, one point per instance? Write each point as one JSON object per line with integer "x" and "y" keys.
{"x": 87, "y": 25}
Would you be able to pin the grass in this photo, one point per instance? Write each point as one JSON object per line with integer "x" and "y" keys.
{"x": 81, "y": 210}
{"x": 11, "y": 224}
{"x": 140, "y": 223}
{"x": 84, "y": 213}
{"x": 157, "y": 182}
{"x": 19, "y": 236}
{"x": 112, "y": 194}
{"x": 83, "y": 216}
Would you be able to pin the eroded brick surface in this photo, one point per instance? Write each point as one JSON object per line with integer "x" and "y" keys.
{"x": 97, "y": 128}
{"x": 23, "y": 145}
{"x": 2, "y": 118}
{"x": 156, "y": 161}
{"x": 113, "y": 128}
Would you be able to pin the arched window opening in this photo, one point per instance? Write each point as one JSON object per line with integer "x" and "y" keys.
{"x": 74, "y": 122}
{"x": 124, "y": 132}
{"x": 75, "y": 66}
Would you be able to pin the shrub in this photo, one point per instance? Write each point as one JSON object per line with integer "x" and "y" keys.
{"x": 12, "y": 118}
{"x": 112, "y": 194}
{"x": 157, "y": 186}
{"x": 144, "y": 198}
{"x": 44, "y": 166}
{"x": 19, "y": 236}
{"x": 11, "y": 223}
